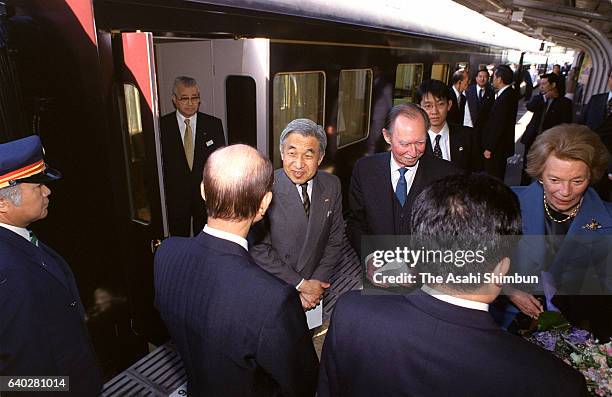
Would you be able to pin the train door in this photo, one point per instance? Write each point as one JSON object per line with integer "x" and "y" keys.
{"x": 233, "y": 78}
{"x": 137, "y": 108}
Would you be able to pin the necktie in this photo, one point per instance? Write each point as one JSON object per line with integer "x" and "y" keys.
{"x": 33, "y": 238}
{"x": 401, "y": 190}
{"x": 480, "y": 90}
{"x": 543, "y": 117}
{"x": 305, "y": 198}
{"x": 188, "y": 143}
{"x": 437, "y": 150}
{"x": 610, "y": 107}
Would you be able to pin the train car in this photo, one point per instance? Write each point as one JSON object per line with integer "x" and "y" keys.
{"x": 95, "y": 76}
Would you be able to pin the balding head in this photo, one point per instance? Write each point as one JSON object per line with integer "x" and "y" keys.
{"x": 236, "y": 179}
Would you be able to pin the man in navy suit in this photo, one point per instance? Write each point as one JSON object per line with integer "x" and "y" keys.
{"x": 441, "y": 340}
{"x": 384, "y": 186}
{"x": 549, "y": 109}
{"x": 459, "y": 84}
{"x": 599, "y": 108}
{"x": 480, "y": 98}
{"x": 450, "y": 142}
{"x": 42, "y": 320}
{"x": 239, "y": 330}
{"x": 188, "y": 137}
{"x": 497, "y": 135}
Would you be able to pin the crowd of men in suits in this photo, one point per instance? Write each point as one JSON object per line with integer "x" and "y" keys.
{"x": 254, "y": 248}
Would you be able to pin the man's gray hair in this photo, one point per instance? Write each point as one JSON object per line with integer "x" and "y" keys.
{"x": 305, "y": 127}
{"x": 185, "y": 81}
{"x": 12, "y": 194}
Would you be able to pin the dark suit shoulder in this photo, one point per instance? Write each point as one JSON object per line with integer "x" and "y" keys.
{"x": 208, "y": 118}
{"x": 373, "y": 161}
{"x": 438, "y": 167}
{"x": 328, "y": 179}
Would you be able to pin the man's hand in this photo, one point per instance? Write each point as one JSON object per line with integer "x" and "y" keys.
{"x": 313, "y": 287}
{"x": 487, "y": 154}
{"x": 311, "y": 292}
{"x": 527, "y": 303}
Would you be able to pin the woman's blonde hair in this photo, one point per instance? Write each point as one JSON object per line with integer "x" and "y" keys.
{"x": 569, "y": 142}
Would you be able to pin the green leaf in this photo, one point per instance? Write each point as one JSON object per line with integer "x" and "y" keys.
{"x": 552, "y": 320}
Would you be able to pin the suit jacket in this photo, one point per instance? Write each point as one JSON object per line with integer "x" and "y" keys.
{"x": 418, "y": 345}
{"x": 498, "y": 132}
{"x": 464, "y": 147}
{"x": 239, "y": 330}
{"x": 182, "y": 185}
{"x": 371, "y": 194}
{"x": 595, "y": 113}
{"x": 292, "y": 246}
{"x": 42, "y": 331}
{"x": 479, "y": 109}
{"x": 559, "y": 112}
{"x": 456, "y": 113}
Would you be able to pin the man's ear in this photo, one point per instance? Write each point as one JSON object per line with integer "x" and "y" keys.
{"x": 202, "y": 191}
{"x": 265, "y": 203}
{"x": 502, "y": 266}
{"x": 450, "y": 105}
{"x": 4, "y": 205}
{"x": 321, "y": 159}
{"x": 386, "y": 135}
{"x": 174, "y": 101}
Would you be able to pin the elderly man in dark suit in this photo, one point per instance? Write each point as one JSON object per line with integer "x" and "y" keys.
{"x": 441, "y": 340}
{"x": 497, "y": 135}
{"x": 239, "y": 330}
{"x": 300, "y": 238}
{"x": 549, "y": 109}
{"x": 188, "y": 137}
{"x": 451, "y": 142}
{"x": 42, "y": 320}
{"x": 385, "y": 186}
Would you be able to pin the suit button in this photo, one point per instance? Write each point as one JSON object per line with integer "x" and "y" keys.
{"x": 44, "y": 265}
{"x": 73, "y": 304}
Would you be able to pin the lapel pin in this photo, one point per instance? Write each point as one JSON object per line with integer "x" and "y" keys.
{"x": 209, "y": 143}
{"x": 460, "y": 148}
{"x": 594, "y": 225}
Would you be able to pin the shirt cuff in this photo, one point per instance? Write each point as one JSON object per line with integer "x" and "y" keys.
{"x": 297, "y": 287}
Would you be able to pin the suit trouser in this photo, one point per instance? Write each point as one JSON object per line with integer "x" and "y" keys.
{"x": 495, "y": 166}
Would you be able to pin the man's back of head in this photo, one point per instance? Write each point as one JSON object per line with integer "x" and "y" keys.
{"x": 235, "y": 180}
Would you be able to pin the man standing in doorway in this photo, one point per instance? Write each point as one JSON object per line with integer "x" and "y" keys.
{"x": 188, "y": 137}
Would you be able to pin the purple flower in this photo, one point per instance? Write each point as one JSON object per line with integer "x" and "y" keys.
{"x": 546, "y": 339}
{"x": 577, "y": 336}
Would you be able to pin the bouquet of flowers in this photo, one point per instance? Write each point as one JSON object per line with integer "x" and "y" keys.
{"x": 577, "y": 348}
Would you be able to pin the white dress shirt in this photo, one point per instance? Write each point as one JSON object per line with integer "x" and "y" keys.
{"x": 23, "y": 232}
{"x": 408, "y": 176}
{"x": 308, "y": 190}
{"x": 182, "y": 126}
{"x": 467, "y": 117}
{"x": 234, "y": 238}
{"x": 444, "y": 141}
{"x": 453, "y": 300}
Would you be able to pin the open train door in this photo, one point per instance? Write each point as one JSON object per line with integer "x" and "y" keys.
{"x": 138, "y": 115}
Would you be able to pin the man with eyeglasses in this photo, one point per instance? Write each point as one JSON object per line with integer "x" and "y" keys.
{"x": 188, "y": 137}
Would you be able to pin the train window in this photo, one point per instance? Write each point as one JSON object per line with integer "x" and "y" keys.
{"x": 439, "y": 71}
{"x": 462, "y": 66}
{"x": 354, "y": 99}
{"x": 240, "y": 101}
{"x": 135, "y": 153}
{"x": 296, "y": 95}
{"x": 408, "y": 76}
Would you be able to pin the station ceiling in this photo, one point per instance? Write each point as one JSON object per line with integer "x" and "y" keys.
{"x": 564, "y": 22}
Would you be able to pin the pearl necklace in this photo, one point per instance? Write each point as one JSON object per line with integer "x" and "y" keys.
{"x": 570, "y": 216}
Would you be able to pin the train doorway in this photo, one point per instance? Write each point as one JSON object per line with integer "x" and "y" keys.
{"x": 233, "y": 77}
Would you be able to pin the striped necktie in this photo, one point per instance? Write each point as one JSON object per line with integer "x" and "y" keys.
{"x": 33, "y": 238}
{"x": 305, "y": 198}
{"x": 188, "y": 143}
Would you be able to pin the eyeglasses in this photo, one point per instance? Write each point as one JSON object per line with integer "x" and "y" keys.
{"x": 184, "y": 99}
